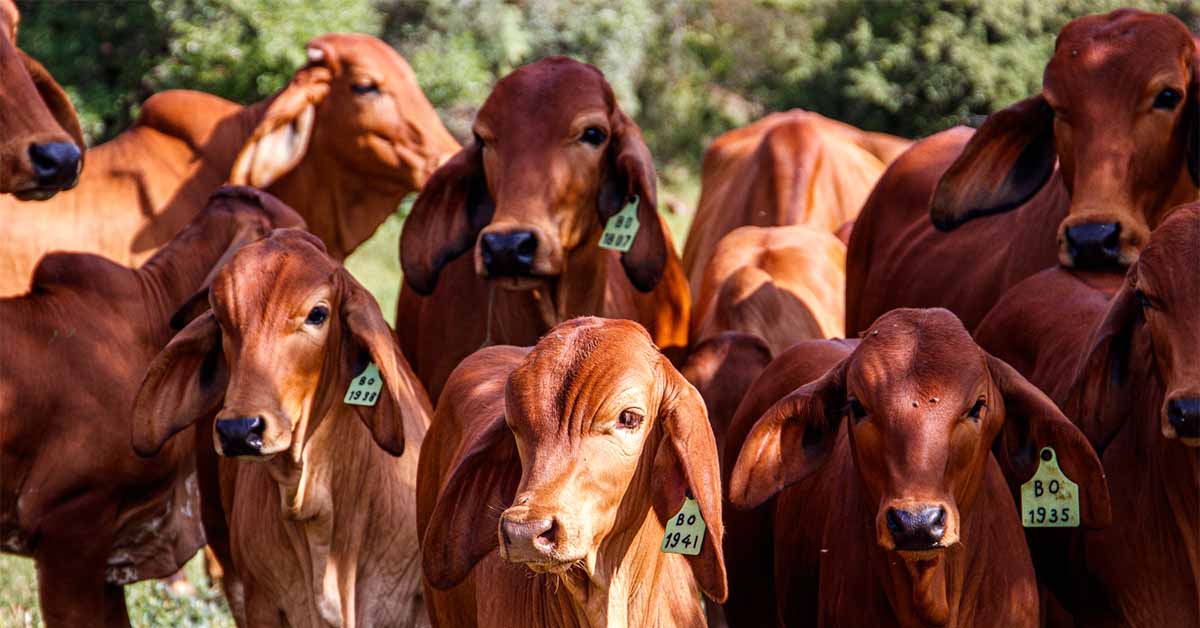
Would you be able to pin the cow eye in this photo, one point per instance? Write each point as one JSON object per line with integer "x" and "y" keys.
{"x": 629, "y": 419}
{"x": 479, "y": 141}
{"x": 363, "y": 89}
{"x": 1167, "y": 99}
{"x": 317, "y": 316}
{"x": 593, "y": 135}
{"x": 855, "y": 410}
{"x": 976, "y": 410}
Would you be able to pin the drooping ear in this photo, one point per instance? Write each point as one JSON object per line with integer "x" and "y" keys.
{"x": 1031, "y": 422}
{"x": 281, "y": 139}
{"x": 367, "y": 338}
{"x": 630, "y": 173}
{"x": 791, "y": 440}
{"x": 56, "y": 101}
{"x": 1004, "y": 164}
{"x": 481, "y": 483}
{"x": 686, "y": 462}
{"x": 1192, "y": 122}
{"x": 445, "y": 219}
{"x": 185, "y": 383}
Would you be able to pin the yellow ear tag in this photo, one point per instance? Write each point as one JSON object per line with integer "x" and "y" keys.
{"x": 364, "y": 389}
{"x": 1050, "y": 499}
{"x": 621, "y": 229}
{"x": 685, "y": 531}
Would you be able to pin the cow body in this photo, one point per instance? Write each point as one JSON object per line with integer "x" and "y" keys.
{"x": 141, "y": 187}
{"x": 1079, "y": 175}
{"x": 73, "y": 496}
{"x": 792, "y": 168}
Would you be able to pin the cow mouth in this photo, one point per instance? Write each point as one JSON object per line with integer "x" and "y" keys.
{"x": 522, "y": 283}
{"x": 36, "y": 194}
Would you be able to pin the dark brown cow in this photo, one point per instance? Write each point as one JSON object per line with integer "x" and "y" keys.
{"x": 1125, "y": 370}
{"x": 889, "y": 507}
{"x": 347, "y": 139}
{"x": 1119, "y": 113}
{"x": 553, "y": 160}
{"x": 73, "y": 495}
{"x": 790, "y": 168}
{"x": 320, "y": 507}
{"x": 568, "y": 458}
{"x": 41, "y": 144}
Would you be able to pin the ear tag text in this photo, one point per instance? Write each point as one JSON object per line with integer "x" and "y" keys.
{"x": 1050, "y": 499}
{"x": 621, "y": 229}
{"x": 685, "y": 531}
{"x": 365, "y": 387}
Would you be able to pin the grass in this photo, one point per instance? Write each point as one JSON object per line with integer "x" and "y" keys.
{"x": 151, "y": 604}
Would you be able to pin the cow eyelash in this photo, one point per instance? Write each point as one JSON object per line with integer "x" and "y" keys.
{"x": 854, "y": 409}
{"x": 317, "y": 316}
{"x": 977, "y": 410}
{"x": 629, "y": 420}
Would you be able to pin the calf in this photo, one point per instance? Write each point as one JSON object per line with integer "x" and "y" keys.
{"x": 554, "y": 159}
{"x": 570, "y": 458}
{"x": 1125, "y": 370}
{"x": 883, "y": 478}
{"x": 317, "y": 493}
{"x": 73, "y": 495}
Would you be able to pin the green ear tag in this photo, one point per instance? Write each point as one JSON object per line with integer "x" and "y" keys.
{"x": 685, "y": 531}
{"x": 621, "y": 229}
{"x": 364, "y": 389}
{"x": 1049, "y": 499}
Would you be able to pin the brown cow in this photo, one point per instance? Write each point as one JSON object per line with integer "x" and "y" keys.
{"x": 553, "y": 160}
{"x": 343, "y": 143}
{"x": 792, "y": 168}
{"x": 883, "y": 477}
{"x": 1119, "y": 112}
{"x": 41, "y": 143}
{"x": 1125, "y": 370}
{"x": 570, "y": 458}
{"x": 72, "y": 493}
{"x": 320, "y": 505}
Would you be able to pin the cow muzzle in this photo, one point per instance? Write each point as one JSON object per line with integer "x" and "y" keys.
{"x": 54, "y": 167}
{"x": 535, "y": 540}
{"x": 917, "y": 528}
{"x": 1100, "y": 241}
{"x": 241, "y": 436}
{"x": 1183, "y": 420}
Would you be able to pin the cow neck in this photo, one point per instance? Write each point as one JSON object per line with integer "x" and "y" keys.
{"x": 582, "y": 287}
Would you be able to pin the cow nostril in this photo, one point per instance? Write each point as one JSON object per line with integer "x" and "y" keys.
{"x": 893, "y": 522}
{"x": 936, "y": 522}
{"x": 527, "y": 245}
{"x": 1184, "y": 416}
{"x": 548, "y": 538}
{"x": 55, "y": 164}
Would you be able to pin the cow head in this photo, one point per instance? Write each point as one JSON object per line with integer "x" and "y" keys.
{"x": 1120, "y": 111}
{"x": 1152, "y": 330}
{"x": 605, "y": 431}
{"x": 353, "y": 110}
{"x": 41, "y": 143}
{"x": 924, "y": 406}
{"x": 288, "y": 331}
{"x": 553, "y": 159}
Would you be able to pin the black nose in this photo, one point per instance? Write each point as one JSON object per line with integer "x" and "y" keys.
{"x": 1095, "y": 245}
{"x": 919, "y": 530}
{"x": 508, "y": 254}
{"x": 1184, "y": 415}
{"x": 241, "y": 436}
{"x": 56, "y": 164}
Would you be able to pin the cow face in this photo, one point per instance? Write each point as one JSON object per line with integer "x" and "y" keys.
{"x": 41, "y": 144}
{"x": 1120, "y": 111}
{"x": 923, "y": 405}
{"x": 355, "y": 105}
{"x": 552, "y": 160}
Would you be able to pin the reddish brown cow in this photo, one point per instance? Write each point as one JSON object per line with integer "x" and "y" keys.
{"x": 1119, "y": 112}
{"x": 343, "y": 143}
{"x": 553, "y": 160}
{"x": 41, "y": 143}
{"x": 320, "y": 504}
{"x": 568, "y": 457}
{"x": 883, "y": 478}
{"x": 792, "y": 168}
{"x": 1125, "y": 370}
{"x": 73, "y": 495}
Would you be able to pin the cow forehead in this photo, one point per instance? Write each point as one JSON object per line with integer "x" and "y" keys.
{"x": 916, "y": 353}
{"x": 364, "y": 51}
{"x": 550, "y": 93}
{"x": 1118, "y": 46}
{"x": 1170, "y": 256}
{"x": 271, "y": 274}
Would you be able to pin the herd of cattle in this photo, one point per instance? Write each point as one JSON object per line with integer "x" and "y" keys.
{"x": 620, "y": 437}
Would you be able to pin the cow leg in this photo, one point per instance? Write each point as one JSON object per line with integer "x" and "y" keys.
{"x": 71, "y": 585}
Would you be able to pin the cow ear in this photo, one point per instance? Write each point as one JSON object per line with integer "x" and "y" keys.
{"x": 631, "y": 175}
{"x": 281, "y": 139}
{"x": 56, "y": 101}
{"x": 1192, "y": 122}
{"x": 791, "y": 440}
{"x": 686, "y": 463}
{"x": 366, "y": 338}
{"x": 481, "y": 483}
{"x": 1004, "y": 164}
{"x": 1031, "y": 422}
{"x": 446, "y": 218}
{"x": 185, "y": 383}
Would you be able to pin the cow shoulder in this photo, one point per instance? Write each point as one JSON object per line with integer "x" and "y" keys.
{"x": 82, "y": 273}
{"x": 188, "y": 116}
